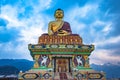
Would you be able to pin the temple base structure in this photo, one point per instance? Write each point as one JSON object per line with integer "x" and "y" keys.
{"x": 61, "y": 58}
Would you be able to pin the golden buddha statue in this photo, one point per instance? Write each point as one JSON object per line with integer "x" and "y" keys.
{"x": 59, "y": 27}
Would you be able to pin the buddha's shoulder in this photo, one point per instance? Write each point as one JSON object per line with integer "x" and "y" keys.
{"x": 65, "y": 22}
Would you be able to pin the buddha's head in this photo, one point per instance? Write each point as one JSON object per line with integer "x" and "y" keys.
{"x": 59, "y": 14}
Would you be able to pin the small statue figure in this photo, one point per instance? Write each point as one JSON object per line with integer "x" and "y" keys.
{"x": 79, "y": 60}
{"x": 44, "y": 60}
{"x": 59, "y": 27}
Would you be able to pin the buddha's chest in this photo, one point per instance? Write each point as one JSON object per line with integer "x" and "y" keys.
{"x": 56, "y": 25}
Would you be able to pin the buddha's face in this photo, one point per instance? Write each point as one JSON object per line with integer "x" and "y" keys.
{"x": 59, "y": 14}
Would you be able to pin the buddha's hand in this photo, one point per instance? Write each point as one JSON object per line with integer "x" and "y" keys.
{"x": 63, "y": 32}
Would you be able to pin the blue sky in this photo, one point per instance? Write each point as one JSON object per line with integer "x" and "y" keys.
{"x": 96, "y": 21}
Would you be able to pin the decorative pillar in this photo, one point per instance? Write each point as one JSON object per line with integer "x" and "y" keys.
{"x": 36, "y": 57}
{"x": 73, "y": 64}
{"x": 50, "y": 64}
{"x": 57, "y": 65}
{"x": 86, "y": 61}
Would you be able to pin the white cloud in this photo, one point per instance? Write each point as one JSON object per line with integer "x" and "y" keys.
{"x": 108, "y": 41}
{"x": 98, "y": 29}
{"x": 45, "y": 3}
{"x": 76, "y": 14}
{"x": 29, "y": 29}
{"x": 103, "y": 56}
{"x": 98, "y": 22}
{"x": 11, "y": 50}
{"x": 31, "y": 34}
{"x": 82, "y": 12}
{"x": 10, "y": 14}
{"x": 107, "y": 28}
